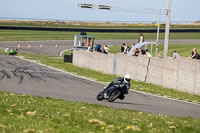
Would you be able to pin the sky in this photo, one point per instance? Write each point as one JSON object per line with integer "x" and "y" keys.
{"x": 182, "y": 10}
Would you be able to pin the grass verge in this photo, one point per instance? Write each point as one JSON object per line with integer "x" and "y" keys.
{"x": 34, "y": 114}
{"x": 27, "y": 35}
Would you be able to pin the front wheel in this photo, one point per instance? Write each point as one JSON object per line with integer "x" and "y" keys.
{"x": 100, "y": 96}
{"x": 114, "y": 96}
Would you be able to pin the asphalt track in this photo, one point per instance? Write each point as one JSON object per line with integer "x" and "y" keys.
{"x": 25, "y": 77}
{"x": 49, "y": 46}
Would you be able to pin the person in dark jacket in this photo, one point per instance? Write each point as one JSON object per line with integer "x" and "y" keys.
{"x": 123, "y": 82}
{"x": 195, "y": 55}
{"x": 193, "y": 51}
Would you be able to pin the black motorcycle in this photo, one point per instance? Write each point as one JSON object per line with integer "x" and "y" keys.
{"x": 118, "y": 92}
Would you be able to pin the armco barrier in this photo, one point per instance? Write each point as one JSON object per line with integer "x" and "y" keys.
{"x": 181, "y": 74}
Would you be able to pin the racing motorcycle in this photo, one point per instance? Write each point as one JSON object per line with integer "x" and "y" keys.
{"x": 117, "y": 92}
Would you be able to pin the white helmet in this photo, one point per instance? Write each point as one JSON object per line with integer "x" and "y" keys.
{"x": 127, "y": 78}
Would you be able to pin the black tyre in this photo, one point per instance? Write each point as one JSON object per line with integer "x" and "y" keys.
{"x": 114, "y": 96}
{"x": 100, "y": 96}
{"x": 121, "y": 97}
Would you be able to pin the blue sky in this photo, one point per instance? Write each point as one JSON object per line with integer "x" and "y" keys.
{"x": 182, "y": 10}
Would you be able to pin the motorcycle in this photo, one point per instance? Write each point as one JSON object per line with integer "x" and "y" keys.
{"x": 118, "y": 92}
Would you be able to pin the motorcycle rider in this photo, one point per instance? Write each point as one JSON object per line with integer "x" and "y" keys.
{"x": 13, "y": 51}
{"x": 123, "y": 82}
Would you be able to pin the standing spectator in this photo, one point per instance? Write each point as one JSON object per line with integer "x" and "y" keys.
{"x": 105, "y": 49}
{"x": 148, "y": 54}
{"x": 175, "y": 55}
{"x": 140, "y": 38}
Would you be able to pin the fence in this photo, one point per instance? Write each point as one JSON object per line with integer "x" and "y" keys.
{"x": 179, "y": 74}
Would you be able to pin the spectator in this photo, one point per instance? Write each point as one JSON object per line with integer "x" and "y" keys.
{"x": 105, "y": 49}
{"x": 98, "y": 48}
{"x": 136, "y": 52}
{"x": 142, "y": 51}
{"x": 89, "y": 49}
{"x": 126, "y": 48}
{"x": 195, "y": 55}
{"x": 175, "y": 55}
{"x": 123, "y": 47}
{"x": 140, "y": 38}
{"x": 82, "y": 44}
{"x": 133, "y": 45}
{"x": 193, "y": 51}
{"x": 148, "y": 54}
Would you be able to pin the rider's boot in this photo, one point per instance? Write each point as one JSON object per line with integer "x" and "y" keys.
{"x": 106, "y": 96}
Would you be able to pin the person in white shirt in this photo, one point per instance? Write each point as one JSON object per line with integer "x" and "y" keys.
{"x": 105, "y": 49}
{"x": 175, "y": 55}
{"x": 148, "y": 54}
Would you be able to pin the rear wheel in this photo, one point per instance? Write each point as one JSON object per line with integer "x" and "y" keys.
{"x": 114, "y": 96}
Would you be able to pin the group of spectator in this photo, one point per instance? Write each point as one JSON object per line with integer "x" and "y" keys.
{"x": 141, "y": 51}
{"x": 125, "y": 49}
{"x": 101, "y": 49}
{"x": 194, "y": 54}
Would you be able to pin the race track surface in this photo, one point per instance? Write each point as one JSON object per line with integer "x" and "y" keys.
{"x": 24, "y": 77}
{"x": 49, "y": 46}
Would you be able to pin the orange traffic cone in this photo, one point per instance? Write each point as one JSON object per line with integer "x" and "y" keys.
{"x": 18, "y": 46}
{"x": 56, "y": 46}
{"x": 41, "y": 46}
{"x": 29, "y": 46}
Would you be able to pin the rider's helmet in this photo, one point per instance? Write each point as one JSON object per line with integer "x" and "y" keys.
{"x": 127, "y": 78}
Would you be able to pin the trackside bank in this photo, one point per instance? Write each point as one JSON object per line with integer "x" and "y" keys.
{"x": 182, "y": 74}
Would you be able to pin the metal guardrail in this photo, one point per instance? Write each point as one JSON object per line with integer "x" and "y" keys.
{"x": 95, "y": 29}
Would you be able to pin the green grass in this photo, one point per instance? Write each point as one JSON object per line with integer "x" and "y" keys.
{"x": 21, "y": 113}
{"x": 27, "y": 35}
{"x": 69, "y": 52}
